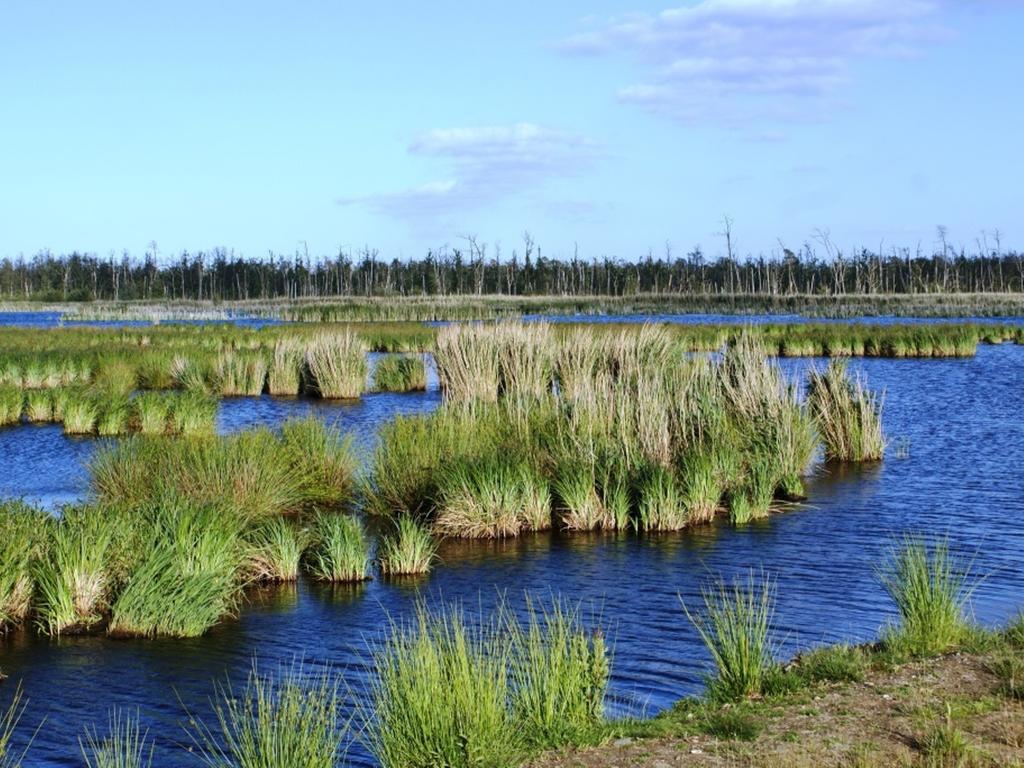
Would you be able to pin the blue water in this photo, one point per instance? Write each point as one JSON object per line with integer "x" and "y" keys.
{"x": 958, "y": 474}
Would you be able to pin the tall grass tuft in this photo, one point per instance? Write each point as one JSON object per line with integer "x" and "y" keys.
{"x": 284, "y": 376}
{"x": 22, "y": 535}
{"x": 73, "y": 579}
{"x": 124, "y": 744}
{"x": 114, "y": 416}
{"x": 325, "y": 462}
{"x": 187, "y": 576}
{"x": 558, "y": 673}
{"x": 81, "y": 413}
{"x": 339, "y": 551}
{"x": 849, "y": 416}
{"x": 153, "y": 410}
{"x": 930, "y": 588}
{"x": 283, "y": 720}
{"x": 407, "y": 550}
{"x": 276, "y": 547}
{"x": 400, "y": 373}
{"x": 490, "y": 499}
{"x": 12, "y": 403}
{"x": 468, "y": 363}
{"x": 39, "y": 405}
{"x": 240, "y": 373}
{"x": 734, "y": 626}
{"x": 9, "y": 720}
{"x": 193, "y": 413}
{"x": 441, "y": 696}
{"x": 336, "y": 362}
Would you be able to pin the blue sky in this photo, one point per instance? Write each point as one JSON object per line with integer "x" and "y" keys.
{"x": 615, "y": 125}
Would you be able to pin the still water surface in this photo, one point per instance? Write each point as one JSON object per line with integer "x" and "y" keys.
{"x": 958, "y": 474}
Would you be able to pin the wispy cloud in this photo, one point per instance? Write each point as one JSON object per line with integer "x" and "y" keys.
{"x": 736, "y": 61}
{"x": 485, "y": 165}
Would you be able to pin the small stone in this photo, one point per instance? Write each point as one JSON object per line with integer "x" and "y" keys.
{"x": 696, "y": 751}
{"x": 624, "y": 742}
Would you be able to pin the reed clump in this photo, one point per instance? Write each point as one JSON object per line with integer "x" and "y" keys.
{"x": 336, "y": 365}
{"x": 23, "y": 532}
{"x": 238, "y": 373}
{"x": 339, "y": 549}
{"x": 284, "y": 719}
{"x": 407, "y": 550}
{"x": 124, "y": 744}
{"x": 848, "y": 415}
{"x": 275, "y": 547}
{"x": 284, "y": 375}
{"x": 491, "y": 499}
{"x": 12, "y": 404}
{"x": 930, "y": 588}
{"x": 734, "y": 625}
{"x": 400, "y": 373}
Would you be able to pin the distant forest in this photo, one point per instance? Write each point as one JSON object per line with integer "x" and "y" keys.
{"x": 222, "y": 275}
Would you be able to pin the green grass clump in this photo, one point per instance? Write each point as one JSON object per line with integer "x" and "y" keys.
{"x": 490, "y": 499}
{"x": 12, "y": 403}
{"x": 193, "y": 413}
{"x": 124, "y": 744}
{"x": 661, "y": 507}
{"x": 22, "y": 534}
{"x": 114, "y": 417}
{"x": 191, "y": 373}
{"x": 324, "y": 460}
{"x": 240, "y": 373}
{"x": 580, "y": 506}
{"x": 115, "y": 376}
{"x": 187, "y": 575}
{"x": 283, "y": 720}
{"x": 441, "y": 697}
{"x": 152, "y": 410}
{"x": 734, "y": 626}
{"x": 339, "y": 551}
{"x": 930, "y": 589}
{"x": 558, "y": 675}
{"x": 81, "y": 412}
{"x": 848, "y": 415}
{"x": 407, "y": 550}
{"x": 284, "y": 375}
{"x": 400, "y": 373}
{"x": 835, "y": 663}
{"x": 336, "y": 363}
{"x": 73, "y": 578}
{"x": 276, "y": 547}
{"x": 39, "y": 405}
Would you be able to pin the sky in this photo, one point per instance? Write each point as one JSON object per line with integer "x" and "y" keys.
{"x": 611, "y": 127}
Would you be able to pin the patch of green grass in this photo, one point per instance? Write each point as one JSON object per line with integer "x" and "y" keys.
{"x": 731, "y": 725}
{"x": 835, "y": 663}
{"x": 12, "y": 403}
{"x": 276, "y": 545}
{"x": 407, "y": 550}
{"x": 847, "y": 413}
{"x": 123, "y": 745}
{"x": 490, "y": 499}
{"x": 400, "y": 373}
{"x": 153, "y": 410}
{"x": 324, "y": 461}
{"x": 23, "y": 532}
{"x": 284, "y": 720}
{"x": 441, "y": 696}
{"x": 336, "y": 363}
{"x": 339, "y": 551}
{"x": 734, "y": 626}
{"x": 930, "y": 589}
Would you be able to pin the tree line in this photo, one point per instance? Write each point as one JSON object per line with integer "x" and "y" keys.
{"x": 223, "y": 275}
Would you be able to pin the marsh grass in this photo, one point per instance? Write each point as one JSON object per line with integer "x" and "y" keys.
{"x": 276, "y": 547}
{"x": 115, "y": 414}
{"x": 191, "y": 373}
{"x": 579, "y": 506}
{"x": 400, "y": 373}
{"x": 193, "y": 413}
{"x": 22, "y": 535}
{"x": 558, "y": 672}
{"x": 324, "y": 461}
{"x": 440, "y": 696}
{"x": 73, "y": 580}
{"x": 930, "y": 588}
{"x": 849, "y": 416}
{"x": 124, "y": 744}
{"x": 39, "y": 405}
{"x": 336, "y": 363}
{"x": 339, "y": 551}
{"x": 237, "y": 373}
{"x": 153, "y": 411}
{"x": 284, "y": 375}
{"x": 286, "y": 719}
{"x": 10, "y": 718}
{"x": 407, "y": 550}
{"x": 734, "y": 625}
{"x": 468, "y": 359}
{"x": 187, "y": 576}
{"x": 12, "y": 404}
{"x": 491, "y": 499}
{"x": 81, "y": 413}
{"x": 661, "y": 506}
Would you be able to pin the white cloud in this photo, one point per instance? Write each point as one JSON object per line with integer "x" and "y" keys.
{"x": 737, "y": 61}
{"x": 486, "y": 164}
